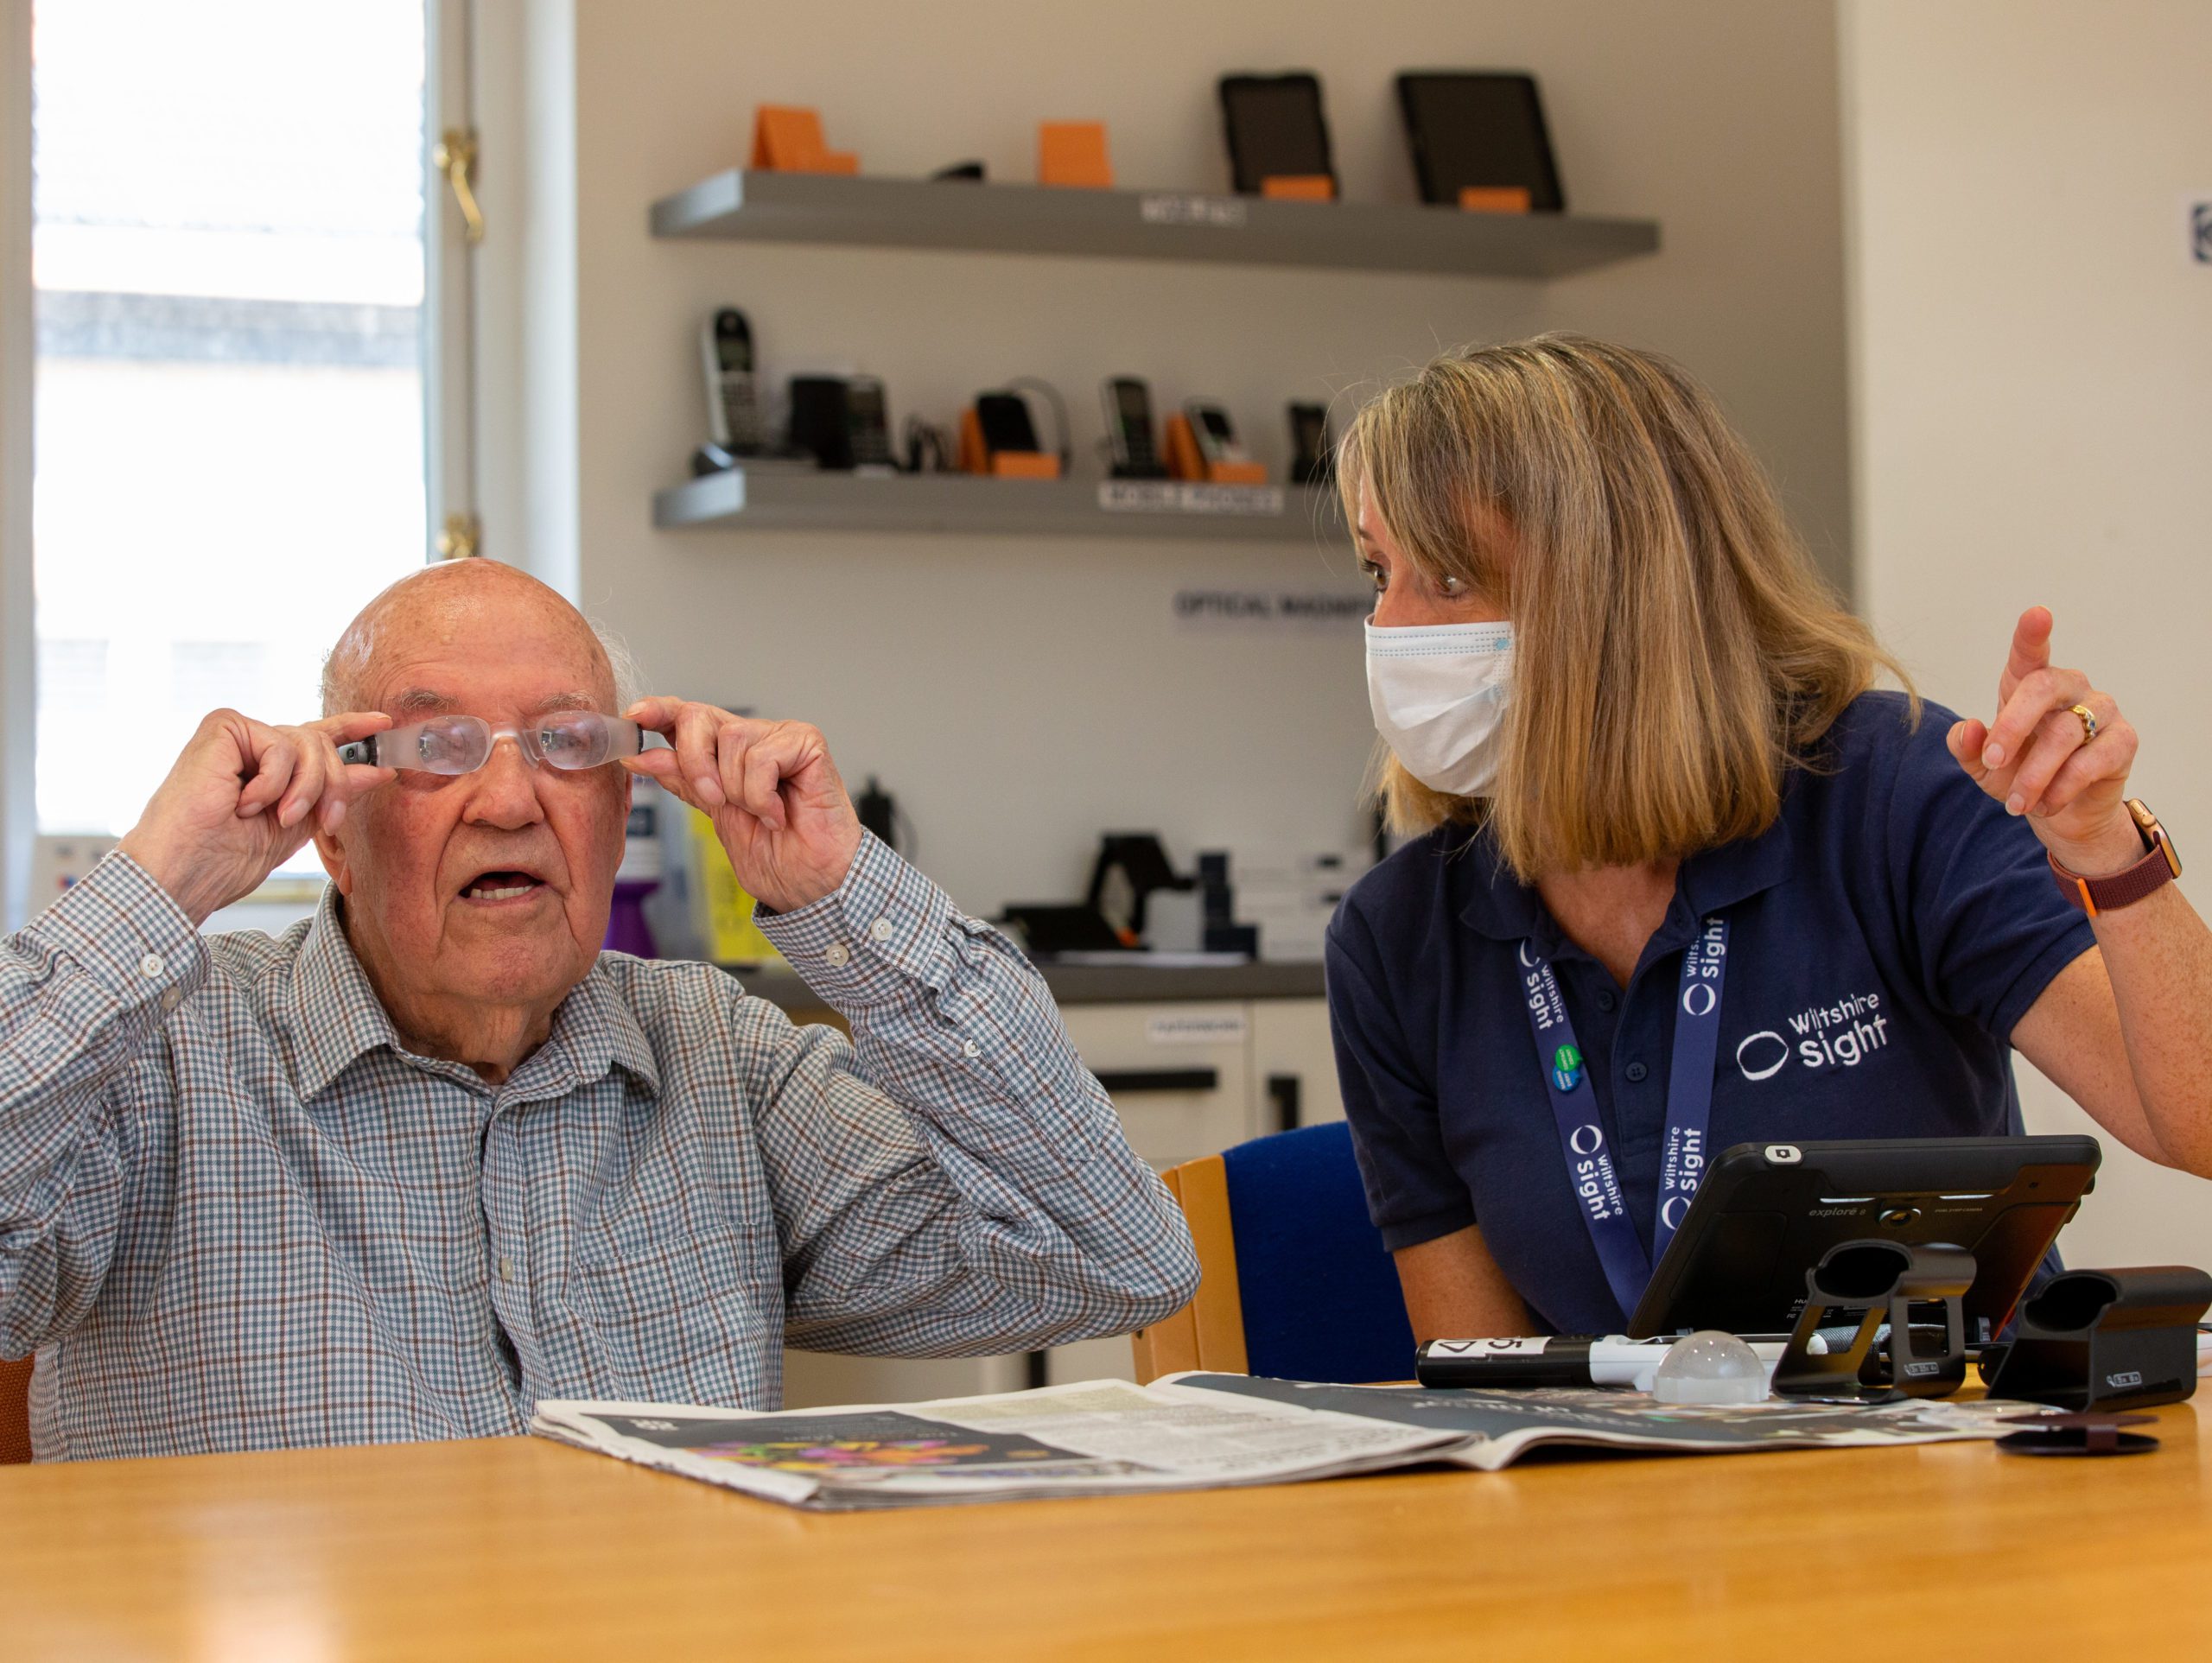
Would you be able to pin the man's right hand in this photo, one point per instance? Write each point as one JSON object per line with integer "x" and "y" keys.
{"x": 242, "y": 799}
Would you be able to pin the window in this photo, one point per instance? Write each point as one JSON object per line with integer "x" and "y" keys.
{"x": 229, "y": 253}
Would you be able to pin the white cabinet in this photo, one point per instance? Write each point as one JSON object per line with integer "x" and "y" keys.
{"x": 1180, "y": 1076}
{"x": 1294, "y": 1060}
{"x": 1187, "y": 1079}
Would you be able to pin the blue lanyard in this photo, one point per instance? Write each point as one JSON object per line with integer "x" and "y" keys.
{"x": 1589, "y": 1168}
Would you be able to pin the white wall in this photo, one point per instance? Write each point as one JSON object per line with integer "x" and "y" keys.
{"x": 1019, "y": 696}
{"x": 2032, "y": 402}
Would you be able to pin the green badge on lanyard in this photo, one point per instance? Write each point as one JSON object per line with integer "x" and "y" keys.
{"x": 1567, "y": 1068}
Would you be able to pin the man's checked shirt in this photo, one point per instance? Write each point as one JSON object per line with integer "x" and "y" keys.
{"x": 235, "y": 1214}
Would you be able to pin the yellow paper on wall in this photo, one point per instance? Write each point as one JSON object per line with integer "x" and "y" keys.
{"x": 731, "y": 937}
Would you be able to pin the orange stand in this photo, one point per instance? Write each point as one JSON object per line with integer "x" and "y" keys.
{"x": 1298, "y": 187}
{"x": 1186, "y": 462}
{"x": 787, "y": 139}
{"x": 1001, "y": 464}
{"x": 1494, "y": 199}
{"x": 1073, "y": 153}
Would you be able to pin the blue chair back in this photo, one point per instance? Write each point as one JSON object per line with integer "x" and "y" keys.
{"x": 1320, "y": 1295}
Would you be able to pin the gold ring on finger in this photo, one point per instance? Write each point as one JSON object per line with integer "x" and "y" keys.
{"x": 2088, "y": 721}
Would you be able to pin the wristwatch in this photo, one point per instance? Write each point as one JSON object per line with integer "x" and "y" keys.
{"x": 2159, "y": 865}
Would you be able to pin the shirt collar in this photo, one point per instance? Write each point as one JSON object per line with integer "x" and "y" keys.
{"x": 335, "y": 1017}
{"x": 1499, "y": 906}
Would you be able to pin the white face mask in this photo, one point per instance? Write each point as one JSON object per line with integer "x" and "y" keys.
{"x": 1439, "y": 696}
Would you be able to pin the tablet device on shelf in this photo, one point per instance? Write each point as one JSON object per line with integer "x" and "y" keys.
{"x": 1276, "y": 129}
{"x": 1482, "y": 131}
{"x": 1764, "y": 1214}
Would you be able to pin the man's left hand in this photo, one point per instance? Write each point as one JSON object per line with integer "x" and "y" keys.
{"x": 2038, "y": 760}
{"x": 770, "y": 789}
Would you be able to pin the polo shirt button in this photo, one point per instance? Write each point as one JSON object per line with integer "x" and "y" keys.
{"x": 151, "y": 967}
{"x": 1636, "y": 1072}
{"x": 881, "y": 929}
{"x": 838, "y": 955}
{"x": 1605, "y": 1001}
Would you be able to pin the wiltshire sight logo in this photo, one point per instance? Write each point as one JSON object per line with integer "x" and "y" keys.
{"x": 1567, "y": 1068}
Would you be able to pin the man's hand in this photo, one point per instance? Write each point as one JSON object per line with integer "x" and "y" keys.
{"x": 774, "y": 796}
{"x": 242, "y": 799}
{"x": 2036, "y": 758}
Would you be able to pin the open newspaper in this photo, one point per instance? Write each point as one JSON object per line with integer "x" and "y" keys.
{"x": 1194, "y": 1432}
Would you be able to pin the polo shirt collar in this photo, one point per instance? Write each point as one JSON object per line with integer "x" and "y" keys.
{"x": 1499, "y": 906}
{"x": 335, "y": 1017}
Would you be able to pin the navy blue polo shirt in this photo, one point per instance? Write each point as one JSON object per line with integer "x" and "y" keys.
{"x": 1885, "y": 935}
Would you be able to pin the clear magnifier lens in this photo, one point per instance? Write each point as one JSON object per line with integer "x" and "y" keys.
{"x": 451, "y": 745}
{"x": 582, "y": 740}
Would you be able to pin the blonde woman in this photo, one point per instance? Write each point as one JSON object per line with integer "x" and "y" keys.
{"x": 1640, "y": 744}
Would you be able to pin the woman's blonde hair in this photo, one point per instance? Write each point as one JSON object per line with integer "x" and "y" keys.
{"x": 1675, "y": 652}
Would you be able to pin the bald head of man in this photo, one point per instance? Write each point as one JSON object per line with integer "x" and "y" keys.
{"x": 476, "y": 901}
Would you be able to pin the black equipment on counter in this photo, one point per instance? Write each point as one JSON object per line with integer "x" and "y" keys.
{"x": 1764, "y": 1213}
{"x": 1864, "y": 1285}
{"x": 1048, "y": 928}
{"x": 1129, "y": 867}
{"x": 879, "y": 813}
{"x": 2105, "y": 1339}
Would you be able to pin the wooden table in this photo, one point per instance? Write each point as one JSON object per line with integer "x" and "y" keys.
{"x": 520, "y": 1548}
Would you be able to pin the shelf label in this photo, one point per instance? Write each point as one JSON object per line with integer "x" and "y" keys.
{"x": 1209, "y": 1028}
{"x": 1171, "y": 497}
{"x": 1162, "y": 208}
{"x": 1330, "y": 611}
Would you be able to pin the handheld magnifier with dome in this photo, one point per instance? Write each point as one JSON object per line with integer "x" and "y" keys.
{"x": 567, "y": 740}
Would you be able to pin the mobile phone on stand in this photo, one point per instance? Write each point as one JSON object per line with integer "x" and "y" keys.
{"x": 1275, "y": 127}
{"x": 1128, "y": 429}
{"x": 1215, "y": 433}
{"x": 1312, "y": 460}
{"x": 733, "y": 403}
{"x": 867, "y": 425}
{"x": 1004, "y": 418}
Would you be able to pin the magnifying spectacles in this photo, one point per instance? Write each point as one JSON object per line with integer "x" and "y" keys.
{"x": 570, "y": 740}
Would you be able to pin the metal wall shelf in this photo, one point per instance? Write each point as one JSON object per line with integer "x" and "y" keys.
{"x": 771, "y": 207}
{"x": 817, "y": 500}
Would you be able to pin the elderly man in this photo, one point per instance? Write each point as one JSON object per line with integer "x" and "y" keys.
{"x": 432, "y": 1156}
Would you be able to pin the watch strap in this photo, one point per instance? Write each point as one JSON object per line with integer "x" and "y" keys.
{"x": 2158, "y": 867}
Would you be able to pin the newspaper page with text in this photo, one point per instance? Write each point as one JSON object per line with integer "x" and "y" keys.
{"x": 1193, "y": 1432}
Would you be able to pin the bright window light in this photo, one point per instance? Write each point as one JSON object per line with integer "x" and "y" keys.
{"x": 228, "y": 250}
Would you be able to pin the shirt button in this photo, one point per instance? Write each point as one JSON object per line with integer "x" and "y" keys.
{"x": 1605, "y": 1001}
{"x": 507, "y": 1268}
{"x": 881, "y": 929}
{"x": 1636, "y": 1072}
{"x": 151, "y": 967}
{"x": 171, "y": 998}
{"x": 838, "y": 955}
{"x": 969, "y": 1048}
